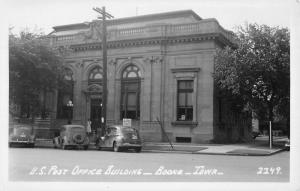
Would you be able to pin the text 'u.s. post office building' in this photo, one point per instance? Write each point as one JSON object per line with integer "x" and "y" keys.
{"x": 159, "y": 68}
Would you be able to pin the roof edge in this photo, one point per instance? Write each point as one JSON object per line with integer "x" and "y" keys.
{"x": 156, "y": 15}
{"x": 130, "y": 19}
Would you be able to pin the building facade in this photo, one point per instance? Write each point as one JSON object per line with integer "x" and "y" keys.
{"x": 159, "y": 69}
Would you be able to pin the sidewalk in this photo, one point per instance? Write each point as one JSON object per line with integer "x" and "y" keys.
{"x": 232, "y": 149}
{"x": 258, "y": 147}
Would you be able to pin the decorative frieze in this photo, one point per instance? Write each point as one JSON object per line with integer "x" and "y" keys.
{"x": 93, "y": 89}
{"x": 180, "y": 70}
{"x": 148, "y": 42}
{"x": 79, "y": 64}
{"x": 112, "y": 61}
{"x": 153, "y": 59}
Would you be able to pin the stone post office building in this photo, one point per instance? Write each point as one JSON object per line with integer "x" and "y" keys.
{"x": 159, "y": 68}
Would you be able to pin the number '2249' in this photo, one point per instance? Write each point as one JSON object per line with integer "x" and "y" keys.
{"x": 269, "y": 170}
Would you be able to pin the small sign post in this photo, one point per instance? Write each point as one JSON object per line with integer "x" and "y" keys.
{"x": 271, "y": 137}
{"x": 127, "y": 122}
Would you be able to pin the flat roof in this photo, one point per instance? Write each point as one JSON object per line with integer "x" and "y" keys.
{"x": 133, "y": 19}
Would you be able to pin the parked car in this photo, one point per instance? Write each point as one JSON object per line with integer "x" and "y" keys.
{"x": 118, "y": 137}
{"x": 71, "y": 136}
{"x": 255, "y": 134}
{"x": 22, "y": 135}
{"x": 287, "y": 145}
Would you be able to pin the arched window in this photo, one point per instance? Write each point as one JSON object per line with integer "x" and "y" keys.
{"x": 95, "y": 82}
{"x": 131, "y": 72}
{"x": 65, "y": 94}
{"x": 96, "y": 75}
{"x": 130, "y": 92}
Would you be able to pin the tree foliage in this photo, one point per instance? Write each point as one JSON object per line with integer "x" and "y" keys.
{"x": 256, "y": 74}
{"x": 34, "y": 68}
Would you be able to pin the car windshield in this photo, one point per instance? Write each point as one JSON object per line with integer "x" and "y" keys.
{"x": 19, "y": 131}
{"x": 78, "y": 129}
{"x": 129, "y": 131}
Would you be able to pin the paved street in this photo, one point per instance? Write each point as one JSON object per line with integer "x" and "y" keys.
{"x": 47, "y": 164}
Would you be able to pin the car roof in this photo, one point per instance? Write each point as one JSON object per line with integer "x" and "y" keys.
{"x": 119, "y": 126}
{"x": 22, "y": 127}
{"x": 71, "y": 126}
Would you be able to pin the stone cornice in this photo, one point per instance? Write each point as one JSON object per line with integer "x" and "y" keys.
{"x": 208, "y": 29}
{"x": 193, "y": 69}
{"x": 152, "y": 42}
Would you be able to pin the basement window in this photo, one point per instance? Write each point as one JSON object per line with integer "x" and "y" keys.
{"x": 183, "y": 139}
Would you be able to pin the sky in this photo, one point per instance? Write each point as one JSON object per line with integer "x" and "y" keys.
{"x": 42, "y": 15}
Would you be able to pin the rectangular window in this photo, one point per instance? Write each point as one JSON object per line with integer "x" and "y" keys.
{"x": 131, "y": 101}
{"x": 185, "y": 100}
{"x": 130, "y": 106}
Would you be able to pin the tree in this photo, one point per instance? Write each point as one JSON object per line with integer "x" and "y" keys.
{"x": 256, "y": 73}
{"x": 34, "y": 69}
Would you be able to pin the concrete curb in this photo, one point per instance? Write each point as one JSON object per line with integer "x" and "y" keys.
{"x": 240, "y": 154}
{"x": 161, "y": 151}
{"x": 211, "y": 153}
{"x": 165, "y": 148}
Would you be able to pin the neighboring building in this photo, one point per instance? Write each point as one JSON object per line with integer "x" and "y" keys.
{"x": 159, "y": 67}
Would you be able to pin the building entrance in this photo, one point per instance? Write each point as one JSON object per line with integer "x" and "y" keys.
{"x": 96, "y": 115}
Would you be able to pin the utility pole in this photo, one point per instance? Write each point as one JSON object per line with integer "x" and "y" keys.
{"x": 103, "y": 16}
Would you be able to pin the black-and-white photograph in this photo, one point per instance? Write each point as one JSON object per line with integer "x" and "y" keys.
{"x": 143, "y": 95}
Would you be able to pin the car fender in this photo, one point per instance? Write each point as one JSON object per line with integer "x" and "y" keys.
{"x": 101, "y": 142}
{"x": 116, "y": 141}
{"x": 62, "y": 140}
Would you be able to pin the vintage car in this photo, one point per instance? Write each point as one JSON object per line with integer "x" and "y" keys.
{"x": 22, "y": 135}
{"x": 71, "y": 136}
{"x": 287, "y": 145}
{"x": 255, "y": 134}
{"x": 118, "y": 137}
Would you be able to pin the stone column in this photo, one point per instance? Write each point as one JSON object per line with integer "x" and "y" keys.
{"x": 146, "y": 105}
{"x": 77, "y": 93}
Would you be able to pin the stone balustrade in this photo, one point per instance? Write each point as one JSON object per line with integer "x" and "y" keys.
{"x": 65, "y": 38}
{"x": 207, "y": 26}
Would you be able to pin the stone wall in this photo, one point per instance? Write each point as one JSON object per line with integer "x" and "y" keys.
{"x": 164, "y": 53}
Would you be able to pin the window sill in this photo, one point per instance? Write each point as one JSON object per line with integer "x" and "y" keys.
{"x": 184, "y": 123}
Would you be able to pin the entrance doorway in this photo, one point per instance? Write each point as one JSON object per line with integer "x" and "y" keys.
{"x": 96, "y": 115}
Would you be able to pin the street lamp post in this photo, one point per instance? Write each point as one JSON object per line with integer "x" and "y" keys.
{"x": 270, "y": 123}
{"x": 70, "y": 106}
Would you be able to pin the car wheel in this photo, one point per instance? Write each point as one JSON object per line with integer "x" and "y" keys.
{"x": 138, "y": 150}
{"x": 116, "y": 147}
